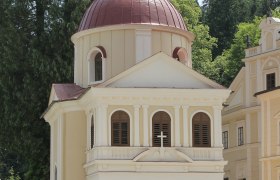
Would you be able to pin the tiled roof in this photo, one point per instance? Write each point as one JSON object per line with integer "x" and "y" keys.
{"x": 112, "y": 12}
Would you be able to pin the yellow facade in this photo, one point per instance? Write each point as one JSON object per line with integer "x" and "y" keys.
{"x": 252, "y": 106}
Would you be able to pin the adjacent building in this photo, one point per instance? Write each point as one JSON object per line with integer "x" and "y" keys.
{"x": 251, "y": 121}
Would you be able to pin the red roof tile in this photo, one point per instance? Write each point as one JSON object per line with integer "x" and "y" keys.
{"x": 112, "y": 12}
{"x": 68, "y": 91}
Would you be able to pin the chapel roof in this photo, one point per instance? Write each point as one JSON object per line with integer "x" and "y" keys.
{"x": 115, "y": 12}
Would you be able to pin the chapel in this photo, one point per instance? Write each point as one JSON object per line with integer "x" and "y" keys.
{"x": 136, "y": 110}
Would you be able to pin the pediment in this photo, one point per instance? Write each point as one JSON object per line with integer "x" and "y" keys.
{"x": 161, "y": 71}
{"x": 162, "y": 155}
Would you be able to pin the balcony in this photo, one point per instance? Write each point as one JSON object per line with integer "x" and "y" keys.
{"x": 129, "y": 153}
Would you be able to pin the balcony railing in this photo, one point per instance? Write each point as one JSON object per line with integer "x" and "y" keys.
{"x": 129, "y": 153}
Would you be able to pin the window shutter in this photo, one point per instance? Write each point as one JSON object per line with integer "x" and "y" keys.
{"x": 161, "y": 122}
{"x": 270, "y": 81}
{"x": 120, "y": 129}
{"x": 201, "y": 130}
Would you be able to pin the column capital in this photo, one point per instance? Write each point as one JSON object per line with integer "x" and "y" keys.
{"x": 186, "y": 107}
{"x": 145, "y": 106}
{"x": 136, "y": 106}
{"x": 177, "y": 107}
{"x": 218, "y": 107}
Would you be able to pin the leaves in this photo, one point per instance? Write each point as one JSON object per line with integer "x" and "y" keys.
{"x": 35, "y": 51}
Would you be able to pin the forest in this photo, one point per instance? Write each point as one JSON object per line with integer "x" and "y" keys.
{"x": 36, "y": 51}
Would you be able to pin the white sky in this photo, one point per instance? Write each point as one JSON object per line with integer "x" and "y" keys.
{"x": 200, "y": 2}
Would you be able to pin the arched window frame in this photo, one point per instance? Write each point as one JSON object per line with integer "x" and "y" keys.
{"x": 271, "y": 70}
{"x": 171, "y": 126}
{"x": 211, "y": 126}
{"x": 91, "y": 64}
{"x": 181, "y": 54}
{"x": 129, "y": 128}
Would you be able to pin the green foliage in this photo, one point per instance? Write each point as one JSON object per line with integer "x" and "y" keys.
{"x": 223, "y": 17}
{"x": 204, "y": 42}
{"x": 229, "y": 63}
{"x": 35, "y": 51}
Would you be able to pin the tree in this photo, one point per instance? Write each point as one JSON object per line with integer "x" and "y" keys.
{"x": 35, "y": 51}
{"x": 229, "y": 63}
{"x": 222, "y": 17}
{"x": 204, "y": 42}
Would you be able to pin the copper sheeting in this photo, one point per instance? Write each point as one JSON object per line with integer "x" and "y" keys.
{"x": 112, "y": 12}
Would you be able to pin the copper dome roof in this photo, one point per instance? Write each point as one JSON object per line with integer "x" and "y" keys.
{"x": 113, "y": 12}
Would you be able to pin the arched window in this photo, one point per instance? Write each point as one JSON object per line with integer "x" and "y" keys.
{"x": 201, "y": 130}
{"x": 161, "y": 122}
{"x": 92, "y": 132}
{"x": 120, "y": 129}
{"x": 181, "y": 55}
{"x": 96, "y": 64}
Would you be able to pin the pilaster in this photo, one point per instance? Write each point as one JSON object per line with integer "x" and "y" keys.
{"x": 177, "y": 126}
{"x": 136, "y": 126}
{"x": 145, "y": 125}
{"x": 186, "y": 129}
{"x": 217, "y": 130}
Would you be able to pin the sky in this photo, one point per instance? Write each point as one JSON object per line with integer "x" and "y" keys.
{"x": 200, "y": 2}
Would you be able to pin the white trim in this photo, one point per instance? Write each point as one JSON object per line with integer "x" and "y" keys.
{"x": 136, "y": 125}
{"x": 268, "y": 119}
{"x": 212, "y": 124}
{"x": 59, "y": 145}
{"x": 94, "y": 51}
{"x": 145, "y": 126}
{"x": 186, "y": 128}
{"x": 172, "y": 126}
{"x": 130, "y": 125}
{"x": 52, "y": 151}
{"x": 177, "y": 126}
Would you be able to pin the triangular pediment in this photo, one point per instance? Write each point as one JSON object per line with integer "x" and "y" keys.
{"x": 161, "y": 71}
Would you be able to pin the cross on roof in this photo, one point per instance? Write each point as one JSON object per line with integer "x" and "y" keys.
{"x": 161, "y": 136}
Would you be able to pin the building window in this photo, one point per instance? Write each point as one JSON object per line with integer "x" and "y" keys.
{"x": 225, "y": 139}
{"x": 226, "y": 178}
{"x": 181, "y": 55}
{"x": 92, "y": 132}
{"x": 120, "y": 129}
{"x": 201, "y": 130}
{"x": 240, "y": 136}
{"x": 161, "y": 123}
{"x": 96, "y": 65}
{"x": 270, "y": 81}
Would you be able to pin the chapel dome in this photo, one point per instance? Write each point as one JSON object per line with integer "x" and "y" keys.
{"x": 115, "y": 12}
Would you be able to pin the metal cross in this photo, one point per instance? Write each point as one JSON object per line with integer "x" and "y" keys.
{"x": 161, "y": 138}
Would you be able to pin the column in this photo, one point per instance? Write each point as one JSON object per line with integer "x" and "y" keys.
{"x": 145, "y": 126}
{"x": 248, "y": 141}
{"x": 259, "y": 77}
{"x": 136, "y": 126}
{"x": 216, "y": 131}
{"x": 186, "y": 128}
{"x": 177, "y": 126}
{"x": 247, "y": 84}
{"x": 104, "y": 125}
{"x": 101, "y": 126}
